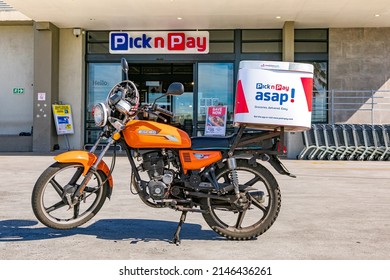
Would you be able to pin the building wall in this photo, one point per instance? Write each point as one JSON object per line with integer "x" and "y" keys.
{"x": 72, "y": 85}
{"x": 359, "y": 60}
{"x": 16, "y": 71}
{"x": 46, "y": 81}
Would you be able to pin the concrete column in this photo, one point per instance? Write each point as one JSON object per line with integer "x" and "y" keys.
{"x": 294, "y": 141}
{"x": 288, "y": 41}
{"x": 45, "y": 90}
{"x": 72, "y": 84}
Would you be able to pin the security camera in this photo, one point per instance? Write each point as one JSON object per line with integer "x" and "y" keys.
{"x": 77, "y": 32}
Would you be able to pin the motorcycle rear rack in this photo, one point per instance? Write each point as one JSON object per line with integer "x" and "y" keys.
{"x": 242, "y": 141}
{"x": 270, "y": 155}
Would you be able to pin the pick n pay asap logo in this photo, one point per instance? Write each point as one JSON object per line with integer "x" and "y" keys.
{"x": 159, "y": 42}
{"x": 279, "y": 93}
{"x": 274, "y": 92}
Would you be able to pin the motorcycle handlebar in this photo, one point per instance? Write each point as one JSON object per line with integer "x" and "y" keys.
{"x": 163, "y": 111}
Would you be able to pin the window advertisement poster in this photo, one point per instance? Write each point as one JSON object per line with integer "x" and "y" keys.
{"x": 63, "y": 119}
{"x": 216, "y": 120}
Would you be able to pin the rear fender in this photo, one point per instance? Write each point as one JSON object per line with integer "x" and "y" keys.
{"x": 275, "y": 163}
{"x": 87, "y": 159}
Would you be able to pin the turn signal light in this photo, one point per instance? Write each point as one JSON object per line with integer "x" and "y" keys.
{"x": 116, "y": 136}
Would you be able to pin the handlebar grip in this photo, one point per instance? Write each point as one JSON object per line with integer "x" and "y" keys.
{"x": 165, "y": 112}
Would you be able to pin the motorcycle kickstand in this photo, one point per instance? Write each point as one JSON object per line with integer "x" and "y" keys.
{"x": 176, "y": 238}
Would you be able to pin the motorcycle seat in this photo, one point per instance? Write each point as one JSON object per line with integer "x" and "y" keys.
{"x": 212, "y": 142}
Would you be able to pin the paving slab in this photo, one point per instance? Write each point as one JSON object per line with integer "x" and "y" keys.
{"x": 333, "y": 210}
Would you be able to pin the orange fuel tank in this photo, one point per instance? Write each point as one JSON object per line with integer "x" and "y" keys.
{"x": 149, "y": 134}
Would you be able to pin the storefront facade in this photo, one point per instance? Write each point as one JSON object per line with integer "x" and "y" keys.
{"x": 209, "y": 78}
{"x": 46, "y": 64}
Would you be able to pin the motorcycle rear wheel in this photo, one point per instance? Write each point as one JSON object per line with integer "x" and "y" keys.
{"x": 260, "y": 212}
{"x": 49, "y": 204}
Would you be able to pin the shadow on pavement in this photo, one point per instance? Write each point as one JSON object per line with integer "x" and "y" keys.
{"x": 134, "y": 230}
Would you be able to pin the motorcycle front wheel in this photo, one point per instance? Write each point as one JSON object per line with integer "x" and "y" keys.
{"x": 49, "y": 201}
{"x": 259, "y": 207}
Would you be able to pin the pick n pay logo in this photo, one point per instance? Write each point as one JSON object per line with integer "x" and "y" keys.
{"x": 159, "y": 42}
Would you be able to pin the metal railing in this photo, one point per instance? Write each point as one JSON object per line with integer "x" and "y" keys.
{"x": 342, "y": 106}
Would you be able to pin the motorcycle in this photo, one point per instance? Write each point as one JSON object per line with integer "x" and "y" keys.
{"x": 220, "y": 177}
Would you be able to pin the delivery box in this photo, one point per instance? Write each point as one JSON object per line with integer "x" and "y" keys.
{"x": 273, "y": 94}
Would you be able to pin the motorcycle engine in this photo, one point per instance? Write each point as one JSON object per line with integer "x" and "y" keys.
{"x": 160, "y": 177}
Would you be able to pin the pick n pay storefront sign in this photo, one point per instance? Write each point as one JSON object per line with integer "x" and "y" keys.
{"x": 161, "y": 42}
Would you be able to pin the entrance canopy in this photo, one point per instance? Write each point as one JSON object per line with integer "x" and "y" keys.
{"x": 204, "y": 14}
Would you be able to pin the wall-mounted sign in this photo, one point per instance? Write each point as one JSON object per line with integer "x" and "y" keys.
{"x": 18, "y": 90}
{"x": 63, "y": 119}
{"x": 159, "y": 42}
{"x": 41, "y": 96}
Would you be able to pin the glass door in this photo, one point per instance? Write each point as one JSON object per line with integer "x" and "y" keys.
{"x": 215, "y": 88}
{"x": 101, "y": 78}
{"x": 153, "y": 81}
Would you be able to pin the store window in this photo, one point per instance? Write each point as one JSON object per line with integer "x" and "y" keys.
{"x": 221, "y": 41}
{"x": 101, "y": 78}
{"x": 97, "y": 42}
{"x": 320, "y": 92}
{"x": 215, "y": 87}
{"x": 311, "y": 46}
{"x": 262, "y": 41}
{"x": 311, "y": 41}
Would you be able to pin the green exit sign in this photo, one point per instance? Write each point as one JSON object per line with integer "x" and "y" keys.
{"x": 18, "y": 90}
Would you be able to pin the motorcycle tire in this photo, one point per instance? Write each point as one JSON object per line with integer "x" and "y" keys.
{"x": 256, "y": 216}
{"x": 51, "y": 207}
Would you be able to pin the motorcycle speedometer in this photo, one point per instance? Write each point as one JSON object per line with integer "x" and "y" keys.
{"x": 123, "y": 106}
{"x": 100, "y": 114}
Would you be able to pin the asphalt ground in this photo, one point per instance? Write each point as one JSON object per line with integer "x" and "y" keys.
{"x": 333, "y": 210}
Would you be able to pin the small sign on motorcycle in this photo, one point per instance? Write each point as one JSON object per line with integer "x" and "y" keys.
{"x": 216, "y": 120}
{"x": 63, "y": 119}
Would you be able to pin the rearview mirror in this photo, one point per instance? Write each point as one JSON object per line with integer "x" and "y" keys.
{"x": 175, "y": 89}
{"x": 125, "y": 67}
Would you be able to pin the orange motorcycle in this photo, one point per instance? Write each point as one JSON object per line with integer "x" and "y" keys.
{"x": 220, "y": 177}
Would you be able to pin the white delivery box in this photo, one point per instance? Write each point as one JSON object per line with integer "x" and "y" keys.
{"x": 273, "y": 94}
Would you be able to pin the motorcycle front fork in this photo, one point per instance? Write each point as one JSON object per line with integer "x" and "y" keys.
{"x": 80, "y": 189}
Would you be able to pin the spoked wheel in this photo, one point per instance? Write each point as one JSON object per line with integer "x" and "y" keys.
{"x": 258, "y": 205}
{"x": 49, "y": 201}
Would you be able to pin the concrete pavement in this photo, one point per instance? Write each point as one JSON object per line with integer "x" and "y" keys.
{"x": 332, "y": 210}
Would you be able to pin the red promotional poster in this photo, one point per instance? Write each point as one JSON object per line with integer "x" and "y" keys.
{"x": 216, "y": 120}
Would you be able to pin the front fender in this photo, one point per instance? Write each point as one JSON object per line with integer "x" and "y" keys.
{"x": 87, "y": 159}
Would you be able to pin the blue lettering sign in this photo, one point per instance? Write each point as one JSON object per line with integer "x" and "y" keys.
{"x": 274, "y": 96}
{"x": 140, "y": 42}
{"x": 119, "y": 41}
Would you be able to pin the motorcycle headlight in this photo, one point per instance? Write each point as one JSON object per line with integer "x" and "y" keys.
{"x": 100, "y": 114}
